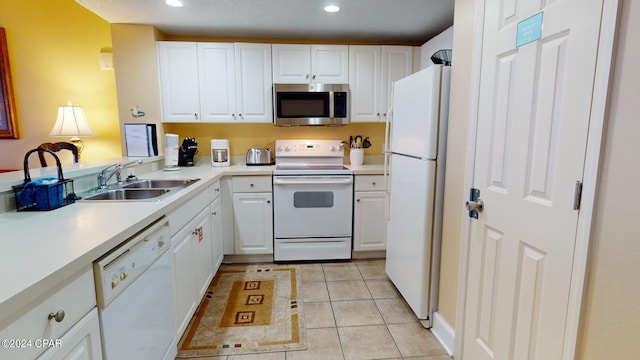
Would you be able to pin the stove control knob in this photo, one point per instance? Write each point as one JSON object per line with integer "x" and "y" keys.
{"x": 287, "y": 148}
{"x": 332, "y": 148}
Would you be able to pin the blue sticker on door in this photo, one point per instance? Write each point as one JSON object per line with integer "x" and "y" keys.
{"x": 529, "y": 30}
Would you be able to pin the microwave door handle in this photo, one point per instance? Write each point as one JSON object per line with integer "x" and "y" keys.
{"x": 331, "y": 107}
{"x": 280, "y": 181}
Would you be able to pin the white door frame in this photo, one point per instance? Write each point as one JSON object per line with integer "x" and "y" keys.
{"x": 599, "y": 112}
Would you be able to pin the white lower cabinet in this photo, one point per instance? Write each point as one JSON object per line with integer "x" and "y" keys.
{"x": 185, "y": 281}
{"x": 61, "y": 313}
{"x": 369, "y": 223}
{"x": 253, "y": 223}
{"x": 82, "y": 341}
{"x": 216, "y": 233}
{"x": 193, "y": 265}
{"x": 252, "y": 215}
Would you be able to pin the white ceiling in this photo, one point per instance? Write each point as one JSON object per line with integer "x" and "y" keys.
{"x": 368, "y": 20}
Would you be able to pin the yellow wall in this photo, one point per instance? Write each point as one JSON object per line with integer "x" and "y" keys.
{"x": 53, "y": 52}
{"x": 243, "y": 136}
{"x": 135, "y": 59}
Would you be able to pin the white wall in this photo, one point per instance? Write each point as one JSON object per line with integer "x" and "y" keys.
{"x": 456, "y": 156}
{"x": 611, "y": 311}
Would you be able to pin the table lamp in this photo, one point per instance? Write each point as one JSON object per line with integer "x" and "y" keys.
{"x": 72, "y": 122}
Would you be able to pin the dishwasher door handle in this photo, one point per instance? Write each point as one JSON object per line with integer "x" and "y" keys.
{"x": 313, "y": 181}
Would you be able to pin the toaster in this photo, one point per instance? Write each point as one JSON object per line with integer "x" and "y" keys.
{"x": 260, "y": 156}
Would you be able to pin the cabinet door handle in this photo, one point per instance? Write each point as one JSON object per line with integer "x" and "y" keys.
{"x": 358, "y": 200}
{"x": 268, "y": 201}
{"x": 373, "y": 183}
{"x": 306, "y": 77}
{"x": 58, "y": 315}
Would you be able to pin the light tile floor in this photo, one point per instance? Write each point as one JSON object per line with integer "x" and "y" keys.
{"x": 353, "y": 312}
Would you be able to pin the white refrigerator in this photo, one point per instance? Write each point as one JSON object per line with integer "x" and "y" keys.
{"x": 416, "y": 163}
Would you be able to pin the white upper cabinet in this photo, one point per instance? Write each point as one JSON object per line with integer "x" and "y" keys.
{"x": 215, "y": 82}
{"x": 253, "y": 83}
{"x": 364, "y": 82}
{"x": 303, "y": 64}
{"x": 179, "y": 91}
{"x": 217, "y": 76}
{"x": 372, "y": 71}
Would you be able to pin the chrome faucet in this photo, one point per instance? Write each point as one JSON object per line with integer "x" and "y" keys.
{"x": 107, "y": 173}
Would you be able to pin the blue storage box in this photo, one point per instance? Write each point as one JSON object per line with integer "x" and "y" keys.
{"x": 43, "y": 194}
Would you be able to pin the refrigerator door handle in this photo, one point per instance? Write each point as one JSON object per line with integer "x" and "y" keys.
{"x": 387, "y": 154}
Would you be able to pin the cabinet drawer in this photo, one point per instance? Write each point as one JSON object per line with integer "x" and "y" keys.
{"x": 182, "y": 215}
{"x": 76, "y": 298}
{"x": 251, "y": 184}
{"x": 369, "y": 183}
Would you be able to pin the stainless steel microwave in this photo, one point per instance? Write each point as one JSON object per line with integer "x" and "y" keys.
{"x": 310, "y": 104}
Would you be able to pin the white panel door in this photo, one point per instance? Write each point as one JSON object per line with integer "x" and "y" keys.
{"x": 178, "y": 68}
{"x": 330, "y": 64}
{"x": 203, "y": 250}
{"x": 216, "y": 234}
{"x": 364, "y": 83}
{"x": 253, "y": 223}
{"x": 533, "y": 117}
{"x": 409, "y": 229}
{"x": 396, "y": 63}
{"x": 369, "y": 225}
{"x": 253, "y": 83}
{"x": 291, "y": 64}
{"x": 216, "y": 69}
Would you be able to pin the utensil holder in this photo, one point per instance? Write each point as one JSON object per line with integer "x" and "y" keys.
{"x": 40, "y": 195}
{"x": 356, "y": 156}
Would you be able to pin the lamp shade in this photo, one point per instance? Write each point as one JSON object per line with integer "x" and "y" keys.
{"x": 71, "y": 121}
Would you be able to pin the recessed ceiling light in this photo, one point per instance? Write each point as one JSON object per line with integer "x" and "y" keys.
{"x": 332, "y": 8}
{"x": 174, "y": 3}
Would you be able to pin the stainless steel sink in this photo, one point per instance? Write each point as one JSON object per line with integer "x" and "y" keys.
{"x": 141, "y": 190}
{"x": 156, "y": 184}
{"x": 128, "y": 194}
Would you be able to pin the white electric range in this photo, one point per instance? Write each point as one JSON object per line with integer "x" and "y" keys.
{"x": 312, "y": 201}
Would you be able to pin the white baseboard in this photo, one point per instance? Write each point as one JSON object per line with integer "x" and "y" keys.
{"x": 443, "y": 333}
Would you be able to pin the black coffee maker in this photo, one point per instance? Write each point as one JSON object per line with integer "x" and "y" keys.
{"x": 188, "y": 150}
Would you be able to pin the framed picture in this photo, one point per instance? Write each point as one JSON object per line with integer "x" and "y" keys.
{"x": 8, "y": 129}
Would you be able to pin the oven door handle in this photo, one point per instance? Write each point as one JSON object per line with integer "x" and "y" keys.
{"x": 319, "y": 181}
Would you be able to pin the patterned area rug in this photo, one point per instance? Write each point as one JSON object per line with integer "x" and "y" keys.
{"x": 247, "y": 309}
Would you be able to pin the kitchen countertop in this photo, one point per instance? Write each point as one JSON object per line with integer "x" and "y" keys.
{"x": 42, "y": 249}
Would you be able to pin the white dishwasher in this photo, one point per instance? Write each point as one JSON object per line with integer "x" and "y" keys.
{"x": 134, "y": 290}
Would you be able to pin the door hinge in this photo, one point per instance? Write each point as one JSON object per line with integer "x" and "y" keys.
{"x": 577, "y": 195}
